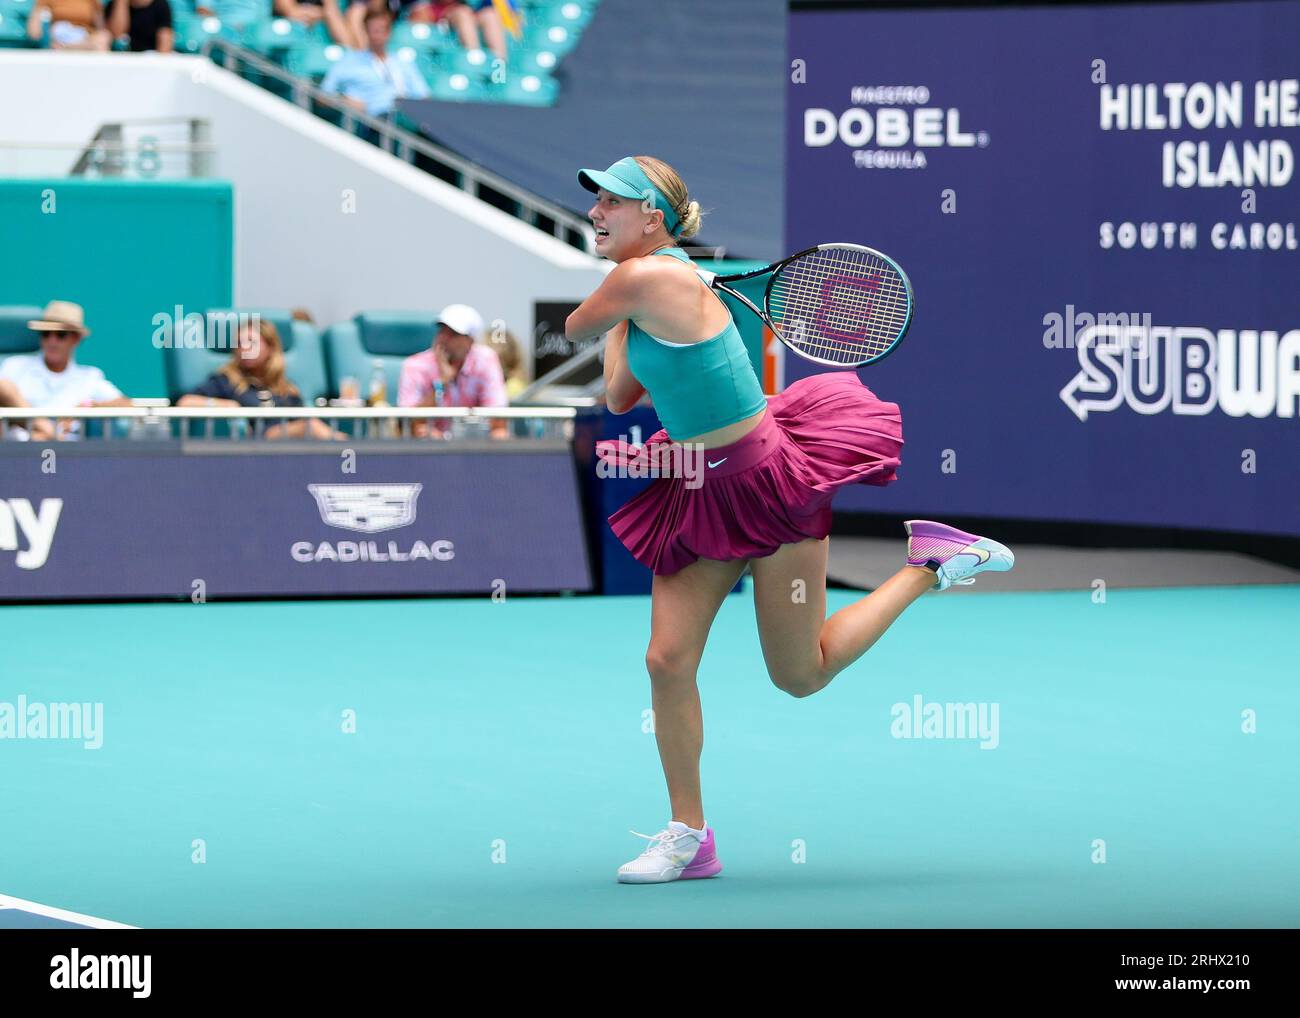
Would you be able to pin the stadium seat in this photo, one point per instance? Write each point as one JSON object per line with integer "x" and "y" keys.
{"x": 557, "y": 36}
{"x": 276, "y": 37}
{"x": 13, "y": 25}
{"x": 193, "y": 30}
{"x": 422, "y": 38}
{"x": 533, "y": 61}
{"x": 476, "y": 64}
{"x": 15, "y": 336}
{"x": 525, "y": 89}
{"x": 571, "y": 14}
{"x": 313, "y": 58}
{"x": 353, "y": 347}
{"x": 454, "y": 87}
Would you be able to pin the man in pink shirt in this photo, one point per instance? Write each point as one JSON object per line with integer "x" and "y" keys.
{"x": 456, "y": 370}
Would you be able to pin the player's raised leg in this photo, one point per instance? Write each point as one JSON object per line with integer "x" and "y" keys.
{"x": 803, "y": 648}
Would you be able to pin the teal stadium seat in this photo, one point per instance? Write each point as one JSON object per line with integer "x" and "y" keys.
{"x": 353, "y": 347}
{"x": 276, "y": 37}
{"x": 476, "y": 63}
{"x": 556, "y": 27}
{"x": 15, "y": 336}
{"x": 421, "y": 37}
{"x": 525, "y": 89}
{"x": 13, "y": 25}
{"x": 193, "y": 30}
{"x": 454, "y": 86}
{"x": 314, "y": 57}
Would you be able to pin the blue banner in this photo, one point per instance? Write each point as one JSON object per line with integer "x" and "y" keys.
{"x": 198, "y": 526}
{"x": 1097, "y": 207}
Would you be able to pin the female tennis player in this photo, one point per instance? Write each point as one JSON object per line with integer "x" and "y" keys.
{"x": 764, "y": 499}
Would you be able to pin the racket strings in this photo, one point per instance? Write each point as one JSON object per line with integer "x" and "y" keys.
{"x": 839, "y": 305}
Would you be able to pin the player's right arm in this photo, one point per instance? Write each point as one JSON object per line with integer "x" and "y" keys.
{"x": 622, "y": 390}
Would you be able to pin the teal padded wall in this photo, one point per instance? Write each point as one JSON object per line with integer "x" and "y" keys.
{"x": 125, "y": 251}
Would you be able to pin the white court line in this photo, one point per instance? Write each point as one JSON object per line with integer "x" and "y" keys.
{"x": 50, "y": 912}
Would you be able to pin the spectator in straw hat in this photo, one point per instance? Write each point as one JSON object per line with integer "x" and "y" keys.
{"x": 53, "y": 378}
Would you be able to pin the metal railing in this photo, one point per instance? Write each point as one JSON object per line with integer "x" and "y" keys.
{"x": 139, "y": 148}
{"x": 108, "y": 151}
{"x": 406, "y": 146}
{"x": 166, "y": 423}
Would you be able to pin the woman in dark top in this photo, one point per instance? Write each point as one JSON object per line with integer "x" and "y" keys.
{"x": 254, "y": 377}
{"x": 147, "y": 22}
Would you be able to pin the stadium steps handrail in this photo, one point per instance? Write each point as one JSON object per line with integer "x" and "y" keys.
{"x": 404, "y": 145}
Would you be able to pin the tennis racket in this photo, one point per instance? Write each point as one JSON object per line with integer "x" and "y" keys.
{"x": 839, "y": 304}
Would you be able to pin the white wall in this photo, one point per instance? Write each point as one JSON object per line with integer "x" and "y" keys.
{"x": 413, "y": 242}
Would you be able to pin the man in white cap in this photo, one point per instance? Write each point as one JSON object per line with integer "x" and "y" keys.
{"x": 53, "y": 378}
{"x": 456, "y": 370}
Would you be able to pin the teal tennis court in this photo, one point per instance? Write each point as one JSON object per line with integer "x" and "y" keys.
{"x": 499, "y": 759}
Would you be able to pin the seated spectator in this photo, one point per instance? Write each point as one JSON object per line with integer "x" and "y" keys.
{"x": 254, "y": 377}
{"x": 372, "y": 80}
{"x": 455, "y": 371}
{"x": 506, "y": 347}
{"x": 147, "y": 23}
{"x": 74, "y": 24}
{"x": 53, "y": 378}
{"x": 466, "y": 18}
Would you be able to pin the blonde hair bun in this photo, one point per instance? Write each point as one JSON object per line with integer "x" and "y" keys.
{"x": 690, "y": 224}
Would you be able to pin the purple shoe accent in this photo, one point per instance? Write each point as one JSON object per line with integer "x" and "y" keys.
{"x": 928, "y": 542}
{"x": 706, "y": 862}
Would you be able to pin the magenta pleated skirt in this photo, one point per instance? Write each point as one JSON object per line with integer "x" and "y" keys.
{"x": 770, "y": 488}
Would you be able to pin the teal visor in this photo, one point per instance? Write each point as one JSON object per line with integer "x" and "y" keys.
{"x": 627, "y": 180}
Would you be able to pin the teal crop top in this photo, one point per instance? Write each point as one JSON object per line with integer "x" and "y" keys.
{"x": 696, "y": 387}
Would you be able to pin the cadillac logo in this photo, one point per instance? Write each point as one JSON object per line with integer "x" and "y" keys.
{"x": 367, "y": 508}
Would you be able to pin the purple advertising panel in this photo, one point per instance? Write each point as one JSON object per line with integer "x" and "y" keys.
{"x": 169, "y": 524}
{"x": 1098, "y": 209}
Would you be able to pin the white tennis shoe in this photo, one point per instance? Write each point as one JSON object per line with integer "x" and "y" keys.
{"x": 675, "y": 853}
